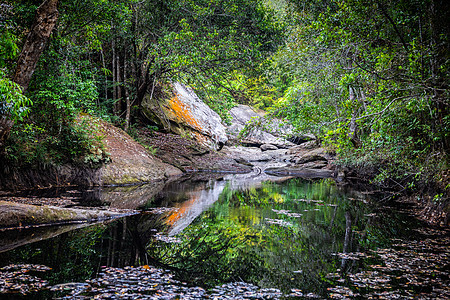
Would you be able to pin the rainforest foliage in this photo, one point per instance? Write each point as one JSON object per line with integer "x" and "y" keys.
{"x": 371, "y": 79}
{"x": 368, "y": 78}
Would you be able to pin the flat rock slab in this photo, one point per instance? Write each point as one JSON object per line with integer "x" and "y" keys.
{"x": 252, "y": 154}
{"x": 14, "y": 215}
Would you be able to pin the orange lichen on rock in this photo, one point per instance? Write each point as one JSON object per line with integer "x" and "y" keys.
{"x": 183, "y": 113}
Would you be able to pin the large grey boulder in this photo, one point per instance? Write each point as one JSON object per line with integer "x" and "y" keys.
{"x": 301, "y": 155}
{"x": 267, "y": 147}
{"x": 182, "y": 112}
{"x": 242, "y": 116}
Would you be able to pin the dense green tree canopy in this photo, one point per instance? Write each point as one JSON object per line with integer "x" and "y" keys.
{"x": 371, "y": 78}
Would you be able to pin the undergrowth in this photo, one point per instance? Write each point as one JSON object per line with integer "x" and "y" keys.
{"x": 77, "y": 142}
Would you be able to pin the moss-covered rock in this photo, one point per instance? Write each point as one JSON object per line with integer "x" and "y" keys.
{"x": 21, "y": 215}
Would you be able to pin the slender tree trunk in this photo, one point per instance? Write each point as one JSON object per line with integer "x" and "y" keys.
{"x": 127, "y": 96}
{"x": 439, "y": 13}
{"x": 106, "y": 77}
{"x": 119, "y": 87}
{"x": 353, "y": 126}
{"x": 113, "y": 46}
{"x": 46, "y": 18}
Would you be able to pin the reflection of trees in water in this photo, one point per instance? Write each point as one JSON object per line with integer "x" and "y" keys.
{"x": 73, "y": 256}
{"x": 231, "y": 241}
{"x": 125, "y": 242}
{"x": 206, "y": 253}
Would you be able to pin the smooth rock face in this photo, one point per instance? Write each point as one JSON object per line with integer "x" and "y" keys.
{"x": 184, "y": 113}
{"x": 243, "y": 115}
{"x": 302, "y": 155}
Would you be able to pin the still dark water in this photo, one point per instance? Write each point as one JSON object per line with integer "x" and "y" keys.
{"x": 305, "y": 238}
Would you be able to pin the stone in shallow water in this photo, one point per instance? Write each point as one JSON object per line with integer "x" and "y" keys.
{"x": 267, "y": 147}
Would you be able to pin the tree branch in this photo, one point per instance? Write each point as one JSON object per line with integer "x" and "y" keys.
{"x": 384, "y": 109}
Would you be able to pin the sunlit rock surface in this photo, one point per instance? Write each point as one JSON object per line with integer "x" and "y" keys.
{"x": 182, "y": 112}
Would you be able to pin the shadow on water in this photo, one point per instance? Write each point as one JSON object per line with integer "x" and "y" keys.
{"x": 291, "y": 235}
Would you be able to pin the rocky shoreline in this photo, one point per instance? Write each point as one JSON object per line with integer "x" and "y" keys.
{"x": 158, "y": 157}
{"x": 197, "y": 143}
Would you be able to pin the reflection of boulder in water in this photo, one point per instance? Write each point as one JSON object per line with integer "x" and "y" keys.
{"x": 11, "y": 239}
{"x": 197, "y": 194}
{"x": 191, "y": 209}
{"x": 300, "y": 172}
{"x": 131, "y": 197}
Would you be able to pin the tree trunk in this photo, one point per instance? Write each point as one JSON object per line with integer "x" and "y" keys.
{"x": 45, "y": 21}
{"x": 113, "y": 46}
{"x": 127, "y": 95}
{"x": 46, "y": 18}
{"x": 353, "y": 126}
{"x": 118, "y": 102}
{"x": 5, "y": 127}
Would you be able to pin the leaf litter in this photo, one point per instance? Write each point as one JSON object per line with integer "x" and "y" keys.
{"x": 410, "y": 269}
